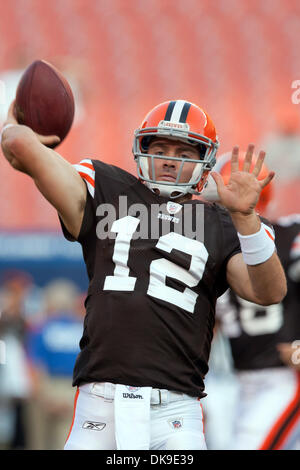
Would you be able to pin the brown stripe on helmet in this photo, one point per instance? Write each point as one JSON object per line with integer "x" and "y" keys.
{"x": 184, "y": 112}
{"x": 170, "y": 110}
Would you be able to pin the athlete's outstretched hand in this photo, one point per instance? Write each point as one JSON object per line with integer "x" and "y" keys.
{"x": 242, "y": 192}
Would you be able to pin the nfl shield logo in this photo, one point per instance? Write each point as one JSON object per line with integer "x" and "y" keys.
{"x": 176, "y": 423}
{"x": 173, "y": 207}
{"x": 132, "y": 389}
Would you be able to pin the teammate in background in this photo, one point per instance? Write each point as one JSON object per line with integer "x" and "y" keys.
{"x": 153, "y": 286}
{"x": 264, "y": 341}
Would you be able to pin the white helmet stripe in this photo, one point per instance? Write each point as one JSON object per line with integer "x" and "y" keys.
{"x": 177, "y": 110}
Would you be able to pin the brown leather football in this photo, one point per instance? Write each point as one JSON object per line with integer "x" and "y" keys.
{"x": 44, "y": 100}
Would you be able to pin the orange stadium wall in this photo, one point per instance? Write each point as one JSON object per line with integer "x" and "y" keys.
{"x": 237, "y": 59}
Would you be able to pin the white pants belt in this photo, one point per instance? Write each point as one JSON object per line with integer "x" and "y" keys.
{"x": 106, "y": 390}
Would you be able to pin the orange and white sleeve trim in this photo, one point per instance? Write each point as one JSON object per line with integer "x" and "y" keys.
{"x": 87, "y": 172}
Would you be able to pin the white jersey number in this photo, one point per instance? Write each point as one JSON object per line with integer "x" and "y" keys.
{"x": 121, "y": 280}
{"x": 160, "y": 268}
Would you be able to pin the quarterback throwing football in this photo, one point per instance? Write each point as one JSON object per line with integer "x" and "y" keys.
{"x": 157, "y": 261}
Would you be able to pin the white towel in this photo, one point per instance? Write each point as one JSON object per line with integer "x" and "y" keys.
{"x": 132, "y": 417}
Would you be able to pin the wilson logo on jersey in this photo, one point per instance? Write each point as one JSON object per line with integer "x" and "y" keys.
{"x": 87, "y": 172}
{"x": 132, "y": 395}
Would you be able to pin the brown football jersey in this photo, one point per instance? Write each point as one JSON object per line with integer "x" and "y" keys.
{"x": 156, "y": 268}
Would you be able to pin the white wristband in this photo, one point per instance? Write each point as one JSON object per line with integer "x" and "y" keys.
{"x": 258, "y": 247}
{"x": 3, "y": 129}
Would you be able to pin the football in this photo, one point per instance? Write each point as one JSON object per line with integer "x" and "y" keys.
{"x": 44, "y": 100}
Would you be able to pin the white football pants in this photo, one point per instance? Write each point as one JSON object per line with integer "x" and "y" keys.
{"x": 173, "y": 425}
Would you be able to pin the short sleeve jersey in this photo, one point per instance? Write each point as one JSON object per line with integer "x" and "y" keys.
{"x": 155, "y": 268}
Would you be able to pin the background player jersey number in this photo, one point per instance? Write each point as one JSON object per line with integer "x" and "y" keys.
{"x": 248, "y": 320}
{"x": 160, "y": 268}
{"x": 254, "y": 325}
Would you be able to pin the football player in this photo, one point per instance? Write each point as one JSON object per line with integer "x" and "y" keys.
{"x": 265, "y": 346}
{"x": 157, "y": 261}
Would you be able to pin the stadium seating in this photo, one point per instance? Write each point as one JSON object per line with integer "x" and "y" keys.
{"x": 236, "y": 59}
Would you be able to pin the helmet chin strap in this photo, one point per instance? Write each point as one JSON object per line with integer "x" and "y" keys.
{"x": 167, "y": 190}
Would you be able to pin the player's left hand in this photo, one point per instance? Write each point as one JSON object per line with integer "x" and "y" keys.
{"x": 242, "y": 192}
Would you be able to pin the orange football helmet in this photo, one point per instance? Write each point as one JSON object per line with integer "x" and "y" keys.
{"x": 223, "y": 167}
{"x": 178, "y": 120}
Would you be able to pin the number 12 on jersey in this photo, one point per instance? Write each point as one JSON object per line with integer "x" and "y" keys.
{"x": 159, "y": 269}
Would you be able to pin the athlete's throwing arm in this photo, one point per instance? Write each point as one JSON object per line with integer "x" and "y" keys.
{"x": 54, "y": 176}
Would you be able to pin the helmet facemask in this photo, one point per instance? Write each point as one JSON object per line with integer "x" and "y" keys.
{"x": 207, "y": 149}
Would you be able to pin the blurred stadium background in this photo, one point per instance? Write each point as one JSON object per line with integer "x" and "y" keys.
{"x": 238, "y": 59}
